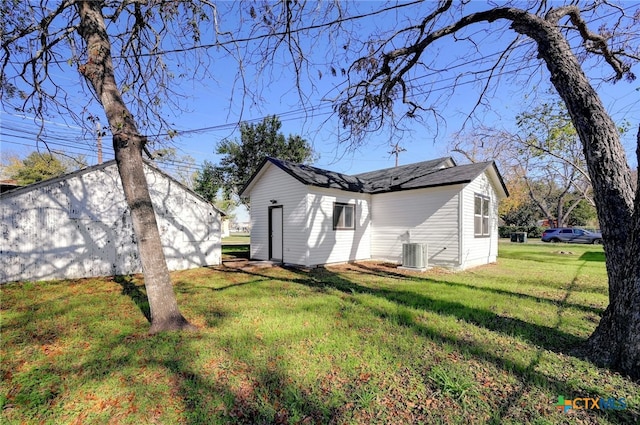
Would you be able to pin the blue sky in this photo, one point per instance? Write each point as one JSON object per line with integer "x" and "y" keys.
{"x": 209, "y": 105}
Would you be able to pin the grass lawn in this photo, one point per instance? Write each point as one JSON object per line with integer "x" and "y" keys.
{"x": 236, "y": 238}
{"x": 235, "y": 250}
{"x": 354, "y": 344}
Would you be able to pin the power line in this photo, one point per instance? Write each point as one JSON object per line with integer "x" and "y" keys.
{"x": 315, "y": 110}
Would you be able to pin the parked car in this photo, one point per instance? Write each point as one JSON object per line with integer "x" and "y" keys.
{"x": 570, "y": 235}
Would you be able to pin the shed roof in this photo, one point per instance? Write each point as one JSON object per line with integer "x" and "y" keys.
{"x": 432, "y": 173}
{"x": 22, "y": 189}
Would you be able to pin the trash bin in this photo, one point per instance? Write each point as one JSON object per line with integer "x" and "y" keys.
{"x": 520, "y": 237}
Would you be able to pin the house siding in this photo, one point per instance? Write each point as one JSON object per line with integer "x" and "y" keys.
{"x": 428, "y": 216}
{"x": 479, "y": 250}
{"x": 80, "y": 226}
{"x": 275, "y": 184}
{"x": 327, "y": 245}
{"x": 441, "y": 216}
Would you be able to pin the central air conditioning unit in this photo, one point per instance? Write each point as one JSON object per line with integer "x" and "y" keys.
{"x": 414, "y": 256}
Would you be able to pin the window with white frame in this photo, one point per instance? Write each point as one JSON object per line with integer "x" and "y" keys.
{"x": 344, "y": 216}
{"x": 481, "y": 216}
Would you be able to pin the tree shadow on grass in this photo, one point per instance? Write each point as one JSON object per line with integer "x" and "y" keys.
{"x": 249, "y": 389}
{"x": 242, "y": 390}
{"x": 362, "y": 268}
{"x": 186, "y": 287}
{"x": 230, "y": 252}
{"x": 130, "y": 289}
{"x": 263, "y": 394}
{"x": 549, "y": 338}
{"x": 543, "y": 336}
{"x": 546, "y": 338}
{"x": 593, "y": 256}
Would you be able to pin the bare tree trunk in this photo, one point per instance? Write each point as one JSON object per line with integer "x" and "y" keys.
{"x": 616, "y": 340}
{"x": 128, "y": 145}
{"x": 572, "y": 206}
{"x": 542, "y": 204}
{"x": 559, "y": 213}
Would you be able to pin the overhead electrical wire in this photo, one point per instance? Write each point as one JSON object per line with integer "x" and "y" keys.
{"x": 82, "y": 145}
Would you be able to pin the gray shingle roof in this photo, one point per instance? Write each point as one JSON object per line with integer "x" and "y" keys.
{"x": 433, "y": 173}
{"x": 404, "y": 177}
{"x": 313, "y": 176}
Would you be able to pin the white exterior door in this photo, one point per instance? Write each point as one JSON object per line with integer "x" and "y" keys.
{"x": 275, "y": 234}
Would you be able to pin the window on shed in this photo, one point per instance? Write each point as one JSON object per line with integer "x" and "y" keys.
{"x": 344, "y": 216}
{"x": 481, "y": 216}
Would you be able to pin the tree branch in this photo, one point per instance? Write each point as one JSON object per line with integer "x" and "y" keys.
{"x": 594, "y": 43}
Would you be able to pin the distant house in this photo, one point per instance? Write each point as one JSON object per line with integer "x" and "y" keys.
{"x": 79, "y": 225}
{"x": 307, "y": 216}
{"x": 225, "y": 229}
{"x": 7, "y": 185}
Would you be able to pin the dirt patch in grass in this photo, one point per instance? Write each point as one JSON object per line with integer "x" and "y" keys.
{"x": 387, "y": 268}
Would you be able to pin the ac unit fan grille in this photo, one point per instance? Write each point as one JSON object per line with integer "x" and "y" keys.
{"x": 414, "y": 255}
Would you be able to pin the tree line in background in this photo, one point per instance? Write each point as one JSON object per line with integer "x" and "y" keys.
{"x": 543, "y": 165}
{"x": 241, "y": 158}
{"x": 38, "y": 166}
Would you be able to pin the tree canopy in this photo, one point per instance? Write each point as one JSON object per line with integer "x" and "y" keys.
{"x": 38, "y": 166}
{"x": 241, "y": 158}
{"x": 542, "y": 158}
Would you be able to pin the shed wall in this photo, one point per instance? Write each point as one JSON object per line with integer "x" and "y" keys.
{"x": 80, "y": 227}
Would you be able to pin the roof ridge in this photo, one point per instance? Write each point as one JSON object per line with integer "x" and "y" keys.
{"x": 299, "y": 164}
{"x": 413, "y": 164}
{"x": 429, "y": 173}
{"x": 96, "y": 167}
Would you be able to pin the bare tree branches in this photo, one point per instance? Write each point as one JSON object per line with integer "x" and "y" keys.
{"x": 38, "y": 38}
{"x": 380, "y": 82}
{"x": 594, "y": 43}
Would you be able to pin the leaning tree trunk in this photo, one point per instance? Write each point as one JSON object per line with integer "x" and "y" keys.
{"x": 616, "y": 340}
{"x": 128, "y": 145}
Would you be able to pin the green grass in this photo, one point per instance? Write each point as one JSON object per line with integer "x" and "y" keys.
{"x": 236, "y": 251}
{"x": 236, "y": 238}
{"x": 351, "y": 344}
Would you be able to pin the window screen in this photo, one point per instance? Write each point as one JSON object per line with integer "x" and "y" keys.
{"x": 344, "y": 216}
{"x": 481, "y": 216}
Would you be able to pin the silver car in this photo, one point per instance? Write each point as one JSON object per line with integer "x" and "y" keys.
{"x": 570, "y": 235}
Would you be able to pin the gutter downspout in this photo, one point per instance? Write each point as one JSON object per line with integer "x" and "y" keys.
{"x": 460, "y": 225}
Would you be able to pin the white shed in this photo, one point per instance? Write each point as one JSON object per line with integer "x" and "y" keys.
{"x": 307, "y": 216}
{"x": 78, "y": 225}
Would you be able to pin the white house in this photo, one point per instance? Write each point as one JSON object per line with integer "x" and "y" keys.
{"x": 307, "y": 216}
{"x": 78, "y": 225}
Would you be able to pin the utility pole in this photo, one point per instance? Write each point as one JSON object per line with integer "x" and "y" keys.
{"x": 99, "y": 141}
{"x": 396, "y": 151}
